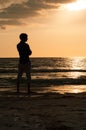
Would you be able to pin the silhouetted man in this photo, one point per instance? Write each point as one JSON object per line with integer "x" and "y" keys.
{"x": 24, "y": 61}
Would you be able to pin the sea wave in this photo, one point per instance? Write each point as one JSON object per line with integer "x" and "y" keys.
{"x": 46, "y": 82}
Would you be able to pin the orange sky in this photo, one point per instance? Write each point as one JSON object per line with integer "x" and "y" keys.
{"x": 54, "y": 28}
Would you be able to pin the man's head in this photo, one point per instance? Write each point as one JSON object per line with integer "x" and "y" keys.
{"x": 23, "y": 37}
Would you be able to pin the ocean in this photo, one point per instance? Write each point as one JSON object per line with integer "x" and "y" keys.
{"x": 62, "y": 75}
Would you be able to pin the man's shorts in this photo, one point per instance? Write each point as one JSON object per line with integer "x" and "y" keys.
{"x": 24, "y": 68}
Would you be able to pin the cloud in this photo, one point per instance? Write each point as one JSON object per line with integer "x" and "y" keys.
{"x": 12, "y": 12}
{"x": 8, "y": 3}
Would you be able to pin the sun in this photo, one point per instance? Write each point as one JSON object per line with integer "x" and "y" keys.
{"x": 78, "y": 5}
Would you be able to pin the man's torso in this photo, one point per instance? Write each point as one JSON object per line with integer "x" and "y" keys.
{"x": 24, "y": 51}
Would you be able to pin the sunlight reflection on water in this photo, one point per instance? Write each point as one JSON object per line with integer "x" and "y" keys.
{"x": 77, "y": 64}
{"x": 63, "y": 89}
{"x": 69, "y": 89}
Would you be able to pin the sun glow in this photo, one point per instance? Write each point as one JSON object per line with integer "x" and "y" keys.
{"x": 78, "y": 5}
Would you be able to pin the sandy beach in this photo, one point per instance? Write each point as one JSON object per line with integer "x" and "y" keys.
{"x": 42, "y": 111}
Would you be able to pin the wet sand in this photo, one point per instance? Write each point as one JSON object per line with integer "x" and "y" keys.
{"x": 42, "y": 111}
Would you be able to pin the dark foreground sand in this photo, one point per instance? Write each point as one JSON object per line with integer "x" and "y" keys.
{"x": 42, "y": 111}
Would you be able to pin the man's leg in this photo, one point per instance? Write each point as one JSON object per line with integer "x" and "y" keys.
{"x": 28, "y": 82}
{"x": 29, "y": 88}
{"x": 18, "y": 83}
{"x": 28, "y": 75}
{"x": 19, "y": 78}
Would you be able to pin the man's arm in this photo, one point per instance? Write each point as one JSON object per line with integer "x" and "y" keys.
{"x": 29, "y": 51}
